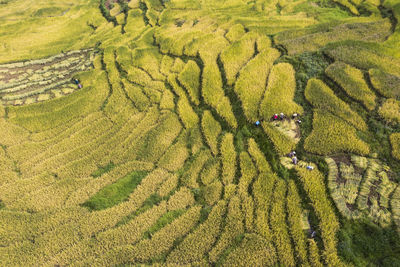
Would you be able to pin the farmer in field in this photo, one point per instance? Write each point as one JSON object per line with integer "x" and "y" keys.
{"x": 294, "y": 160}
{"x": 275, "y": 117}
{"x": 295, "y": 115}
{"x": 281, "y": 116}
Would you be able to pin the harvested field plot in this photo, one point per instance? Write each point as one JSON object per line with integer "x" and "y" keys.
{"x": 199, "y": 133}
{"x": 38, "y": 80}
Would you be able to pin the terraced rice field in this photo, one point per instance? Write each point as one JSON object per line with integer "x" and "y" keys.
{"x": 158, "y": 160}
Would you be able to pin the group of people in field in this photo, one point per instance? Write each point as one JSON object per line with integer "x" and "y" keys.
{"x": 281, "y": 116}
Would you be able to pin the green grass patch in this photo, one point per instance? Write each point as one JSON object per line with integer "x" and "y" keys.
{"x": 365, "y": 244}
{"x": 102, "y": 170}
{"x": 115, "y": 193}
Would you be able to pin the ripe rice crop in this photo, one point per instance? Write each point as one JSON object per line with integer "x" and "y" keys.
{"x": 197, "y": 243}
{"x": 395, "y": 142}
{"x": 322, "y": 97}
{"x": 312, "y": 38}
{"x": 210, "y": 172}
{"x": 212, "y": 192}
{"x": 313, "y": 183}
{"x": 248, "y": 172}
{"x": 190, "y": 79}
{"x": 228, "y": 155}
{"x": 211, "y": 130}
{"x": 258, "y": 157}
{"x": 213, "y": 94}
{"x": 175, "y": 156}
{"x": 314, "y": 257}
{"x": 282, "y": 143}
{"x": 186, "y": 113}
{"x": 279, "y": 228}
{"x": 263, "y": 190}
{"x": 233, "y": 228}
{"x": 352, "y": 81}
{"x": 235, "y": 32}
{"x": 237, "y": 55}
{"x": 390, "y": 111}
{"x": 250, "y": 86}
{"x": 280, "y": 92}
{"x": 337, "y": 136}
{"x": 181, "y": 199}
{"x": 349, "y": 5}
{"x": 362, "y": 56}
{"x": 189, "y": 177}
{"x": 293, "y": 203}
{"x": 252, "y": 251}
{"x": 248, "y": 211}
{"x": 385, "y": 83}
{"x": 169, "y": 82}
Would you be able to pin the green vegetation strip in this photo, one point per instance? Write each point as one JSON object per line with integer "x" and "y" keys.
{"x": 115, "y": 193}
{"x": 103, "y": 169}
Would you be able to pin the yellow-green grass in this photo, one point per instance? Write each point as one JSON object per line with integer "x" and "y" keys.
{"x": 322, "y": 97}
{"x": 332, "y": 135}
{"x": 385, "y": 83}
{"x": 390, "y": 111}
{"x": 352, "y": 81}
{"x": 251, "y": 84}
{"x": 280, "y": 92}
